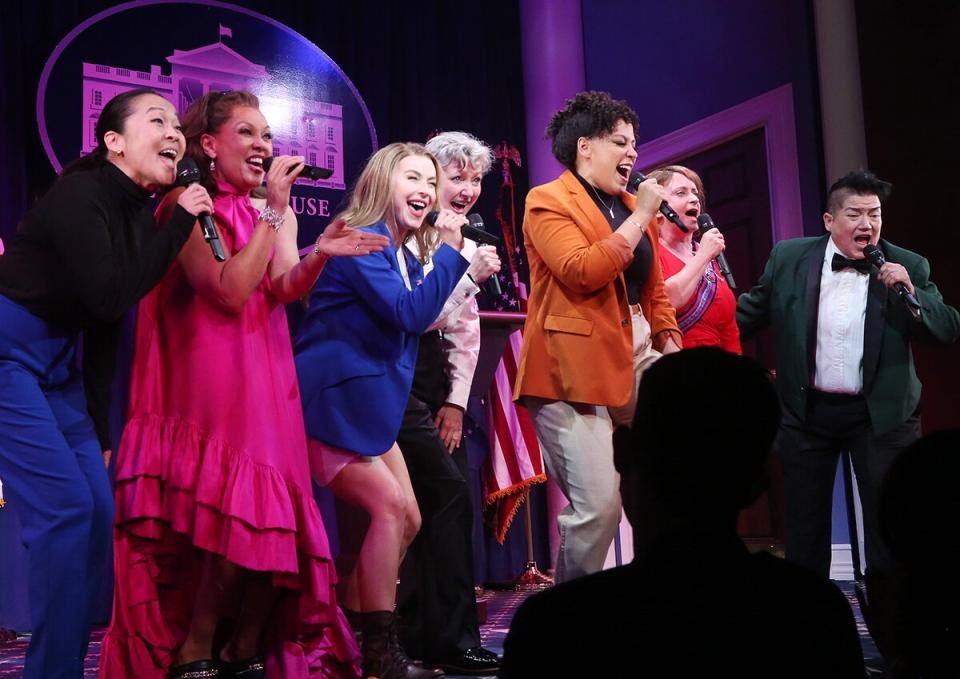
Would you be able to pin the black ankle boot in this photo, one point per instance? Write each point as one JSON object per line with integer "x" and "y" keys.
{"x": 383, "y": 658}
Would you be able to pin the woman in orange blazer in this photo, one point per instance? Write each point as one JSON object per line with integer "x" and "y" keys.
{"x": 597, "y": 315}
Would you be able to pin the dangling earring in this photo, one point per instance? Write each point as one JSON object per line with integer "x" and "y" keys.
{"x": 213, "y": 167}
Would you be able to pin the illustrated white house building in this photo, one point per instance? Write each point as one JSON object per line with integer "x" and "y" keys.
{"x": 313, "y": 129}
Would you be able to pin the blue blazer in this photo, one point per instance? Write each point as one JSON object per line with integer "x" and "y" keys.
{"x": 357, "y": 347}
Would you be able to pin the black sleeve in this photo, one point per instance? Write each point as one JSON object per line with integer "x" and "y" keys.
{"x": 939, "y": 322}
{"x": 753, "y": 307}
{"x": 107, "y": 283}
{"x": 99, "y": 365}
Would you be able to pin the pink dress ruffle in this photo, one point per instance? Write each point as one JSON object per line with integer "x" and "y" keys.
{"x": 214, "y": 459}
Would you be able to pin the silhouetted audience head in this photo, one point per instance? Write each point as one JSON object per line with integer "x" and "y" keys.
{"x": 694, "y": 602}
{"x": 919, "y": 516}
{"x": 704, "y": 426}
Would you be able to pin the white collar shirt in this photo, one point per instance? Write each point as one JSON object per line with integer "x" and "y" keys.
{"x": 840, "y": 321}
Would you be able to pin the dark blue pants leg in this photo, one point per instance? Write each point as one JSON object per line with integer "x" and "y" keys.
{"x": 435, "y": 598}
{"x": 53, "y": 473}
{"x": 69, "y": 406}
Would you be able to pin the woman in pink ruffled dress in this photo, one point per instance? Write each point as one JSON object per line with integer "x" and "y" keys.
{"x": 222, "y": 563}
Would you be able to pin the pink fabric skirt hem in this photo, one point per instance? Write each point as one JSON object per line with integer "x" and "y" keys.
{"x": 181, "y": 494}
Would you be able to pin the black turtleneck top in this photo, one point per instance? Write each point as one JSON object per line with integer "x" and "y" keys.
{"x": 615, "y": 212}
{"x": 85, "y": 254}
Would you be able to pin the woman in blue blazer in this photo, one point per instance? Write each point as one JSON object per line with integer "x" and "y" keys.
{"x": 355, "y": 358}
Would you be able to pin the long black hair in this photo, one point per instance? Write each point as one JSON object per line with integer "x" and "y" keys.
{"x": 112, "y": 118}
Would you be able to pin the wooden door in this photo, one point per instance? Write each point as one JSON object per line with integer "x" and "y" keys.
{"x": 735, "y": 179}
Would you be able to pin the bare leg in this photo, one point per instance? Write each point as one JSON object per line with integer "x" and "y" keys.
{"x": 219, "y": 581}
{"x": 351, "y": 592}
{"x": 393, "y": 458}
{"x": 411, "y": 525}
{"x": 370, "y": 485}
{"x": 258, "y": 598}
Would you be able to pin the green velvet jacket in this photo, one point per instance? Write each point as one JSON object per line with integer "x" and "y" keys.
{"x": 786, "y": 298}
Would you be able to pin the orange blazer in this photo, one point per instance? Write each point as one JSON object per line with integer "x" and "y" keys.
{"x": 578, "y": 338}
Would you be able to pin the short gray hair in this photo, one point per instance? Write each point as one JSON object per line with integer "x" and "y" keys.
{"x": 463, "y": 148}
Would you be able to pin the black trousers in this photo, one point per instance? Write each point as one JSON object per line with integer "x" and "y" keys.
{"x": 809, "y": 451}
{"x": 435, "y": 598}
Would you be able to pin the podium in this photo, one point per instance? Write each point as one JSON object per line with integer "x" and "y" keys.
{"x": 496, "y": 327}
{"x": 495, "y": 330}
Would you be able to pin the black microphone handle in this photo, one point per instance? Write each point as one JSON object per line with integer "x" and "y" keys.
{"x": 913, "y": 304}
{"x": 706, "y": 224}
{"x": 725, "y": 270}
{"x": 637, "y": 178}
{"x": 470, "y": 231}
{"x": 211, "y": 236}
{"x": 479, "y": 235}
{"x": 314, "y": 172}
{"x": 492, "y": 286}
{"x": 875, "y": 256}
{"x": 671, "y": 215}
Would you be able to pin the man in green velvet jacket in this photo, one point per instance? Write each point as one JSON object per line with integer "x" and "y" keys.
{"x": 845, "y": 372}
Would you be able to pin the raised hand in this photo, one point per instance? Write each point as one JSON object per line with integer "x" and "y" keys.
{"x": 712, "y": 243}
{"x": 649, "y": 196}
{"x": 279, "y": 181}
{"x": 448, "y": 227}
{"x": 195, "y": 200}
{"x": 484, "y": 263}
{"x": 339, "y": 240}
{"x": 891, "y": 274}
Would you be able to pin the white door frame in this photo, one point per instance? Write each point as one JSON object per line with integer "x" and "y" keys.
{"x": 772, "y": 111}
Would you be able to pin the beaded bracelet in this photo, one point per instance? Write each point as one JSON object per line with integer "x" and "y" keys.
{"x": 271, "y": 217}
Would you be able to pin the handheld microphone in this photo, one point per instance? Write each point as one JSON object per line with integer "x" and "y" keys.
{"x": 637, "y": 178}
{"x": 875, "y": 256}
{"x": 705, "y": 223}
{"x": 188, "y": 173}
{"x": 313, "y": 172}
{"x": 474, "y": 231}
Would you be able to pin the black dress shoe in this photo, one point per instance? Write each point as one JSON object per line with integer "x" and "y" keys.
{"x": 474, "y": 661}
{"x": 198, "y": 669}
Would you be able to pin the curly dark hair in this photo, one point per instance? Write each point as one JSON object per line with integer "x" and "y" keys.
{"x": 859, "y": 182}
{"x": 588, "y": 114}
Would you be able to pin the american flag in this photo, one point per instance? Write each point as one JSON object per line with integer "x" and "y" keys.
{"x": 515, "y": 462}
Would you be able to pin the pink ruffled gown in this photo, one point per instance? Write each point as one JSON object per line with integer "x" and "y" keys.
{"x": 213, "y": 458}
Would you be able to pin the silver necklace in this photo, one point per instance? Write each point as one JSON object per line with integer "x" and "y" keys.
{"x": 612, "y": 201}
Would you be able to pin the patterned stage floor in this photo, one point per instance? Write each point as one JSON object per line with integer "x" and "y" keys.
{"x": 500, "y": 609}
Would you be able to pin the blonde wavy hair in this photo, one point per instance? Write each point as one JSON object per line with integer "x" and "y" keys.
{"x": 373, "y": 193}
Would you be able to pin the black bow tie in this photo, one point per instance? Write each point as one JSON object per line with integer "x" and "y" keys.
{"x": 841, "y": 262}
